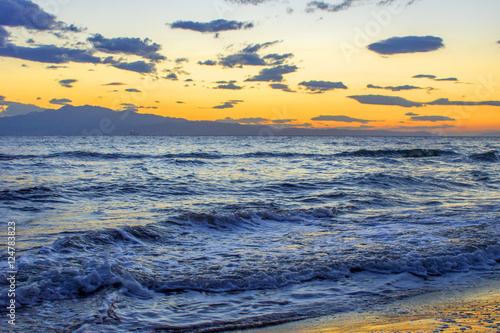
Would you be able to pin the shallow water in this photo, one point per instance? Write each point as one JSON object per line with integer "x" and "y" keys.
{"x": 204, "y": 233}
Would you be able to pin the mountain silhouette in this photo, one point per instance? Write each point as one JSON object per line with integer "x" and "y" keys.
{"x": 93, "y": 120}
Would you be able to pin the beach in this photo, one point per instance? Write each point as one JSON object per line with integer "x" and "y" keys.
{"x": 472, "y": 309}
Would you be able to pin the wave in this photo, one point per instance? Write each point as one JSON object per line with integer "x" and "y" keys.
{"x": 35, "y": 193}
{"x": 406, "y": 153}
{"x": 491, "y": 156}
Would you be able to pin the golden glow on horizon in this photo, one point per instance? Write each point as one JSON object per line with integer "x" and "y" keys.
{"x": 316, "y": 54}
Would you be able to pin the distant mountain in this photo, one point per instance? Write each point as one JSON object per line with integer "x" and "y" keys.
{"x": 93, "y": 120}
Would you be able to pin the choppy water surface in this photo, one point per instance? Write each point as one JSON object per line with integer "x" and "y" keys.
{"x": 204, "y": 233}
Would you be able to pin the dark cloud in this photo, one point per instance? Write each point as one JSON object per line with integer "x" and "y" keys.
{"x": 411, "y": 114}
{"x": 243, "y": 120}
{"x": 241, "y": 59}
{"x": 345, "y": 119}
{"x": 283, "y": 121}
{"x": 133, "y": 90}
{"x": 137, "y": 66}
{"x": 431, "y": 118}
{"x": 23, "y": 13}
{"x": 172, "y": 77}
{"x": 181, "y": 60}
{"x": 68, "y": 83}
{"x": 229, "y": 86}
{"x": 277, "y": 59}
{"x": 321, "y": 5}
{"x": 254, "y": 48}
{"x": 4, "y": 34}
{"x": 319, "y": 87}
{"x": 188, "y": 80}
{"x": 207, "y": 63}
{"x": 180, "y": 102}
{"x": 49, "y": 54}
{"x": 385, "y": 100}
{"x": 445, "y": 101}
{"x": 228, "y": 105}
{"x": 424, "y": 76}
{"x": 213, "y": 26}
{"x": 143, "y": 48}
{"x": 274, "y": 74}
{"x": 129, "y": 107}
{"x": 60, "y": 101}
{"x": 397, "y": 88}
{"x": 55, "y": 67}
{"x": 281, "y": 86}
{"x": 409, "y": 44}
{"x": 434, "y": 77}
{"x": 115, "y": 84}
{"x": 447, "y": 79}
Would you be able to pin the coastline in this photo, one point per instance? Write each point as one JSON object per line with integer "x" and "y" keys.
{"x": 471, "y": 309}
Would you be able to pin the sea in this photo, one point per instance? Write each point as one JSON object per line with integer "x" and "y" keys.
{"x": 212, "y": 234}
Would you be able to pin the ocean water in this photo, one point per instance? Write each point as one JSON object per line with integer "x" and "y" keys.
{"x": 206, "y": 234}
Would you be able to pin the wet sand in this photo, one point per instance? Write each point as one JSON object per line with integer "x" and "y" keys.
{"x": 474, "y": 309}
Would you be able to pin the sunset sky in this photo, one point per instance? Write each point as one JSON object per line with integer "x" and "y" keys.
{"x": 405, "y": 65}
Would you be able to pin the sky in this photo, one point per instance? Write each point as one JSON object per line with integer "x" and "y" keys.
{"x": 395, "y": 65}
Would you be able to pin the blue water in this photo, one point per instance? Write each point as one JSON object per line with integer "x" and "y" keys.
{"x": 194, "y": 234}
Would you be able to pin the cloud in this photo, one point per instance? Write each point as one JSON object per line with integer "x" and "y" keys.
{"x": 431, "y": 118}
{"x": 409, "y": 44}
{"x": 397, "y": 88}
{"x": 229, "y": 86}
{"x": 129, "y": 107}
{"x": 241, "y": 59}
{"x": 385, "y": 100}
{"x": 411, "y": 114}
{"x": 172, "y": 77}
{"x": 180, "y": 102}
{"x": 313, "y": 5}
{"x": 283, "y": 121}
{"x": 137, "y": 66}
{"x": 67, "y": 83}
{"x": 60, "y": 101}
{"x": 213, "y": 26}
{"x": 49, "y": 54}
{"x": 181, "y": 60}
{"x": 55, "y": 67}
{"x": 243, "y": 120}
{"x": 345, "y": 119}
{"x": 281, "y": 86}
{"x": 23, "y": 13}
{"x": 228, "y": 105}
{"x": 133, "y": 90}
{"x": 434, "y": 77}
{"x": 445, "y": 101}
{"x": 135, "y": 46}
{"x": 447, "y": 79}
{"x": 115, "y": 84}
{"x": 322, "y": 86}
{"x": 277, "y": 59}
{"x": 4, "y": 34}
{"x": 424, "y": 76}
{"x": 208, "y": 62}
{"x": 274, "y": 74}
{"x": 254, "y": 48}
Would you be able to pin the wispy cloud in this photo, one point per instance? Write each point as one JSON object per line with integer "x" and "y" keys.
{"x": 212, "y": 26}
{"x": 345, "y": 119}
{"x": 319, "y": 87}
{"x": 68, "y": 83}
{"x": 228, "y": 105}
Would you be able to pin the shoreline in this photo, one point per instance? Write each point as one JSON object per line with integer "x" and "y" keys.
{"x": 469, "y": 309}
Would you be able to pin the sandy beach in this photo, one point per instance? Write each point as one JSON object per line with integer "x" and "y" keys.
{"x": 475, "y": 309}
